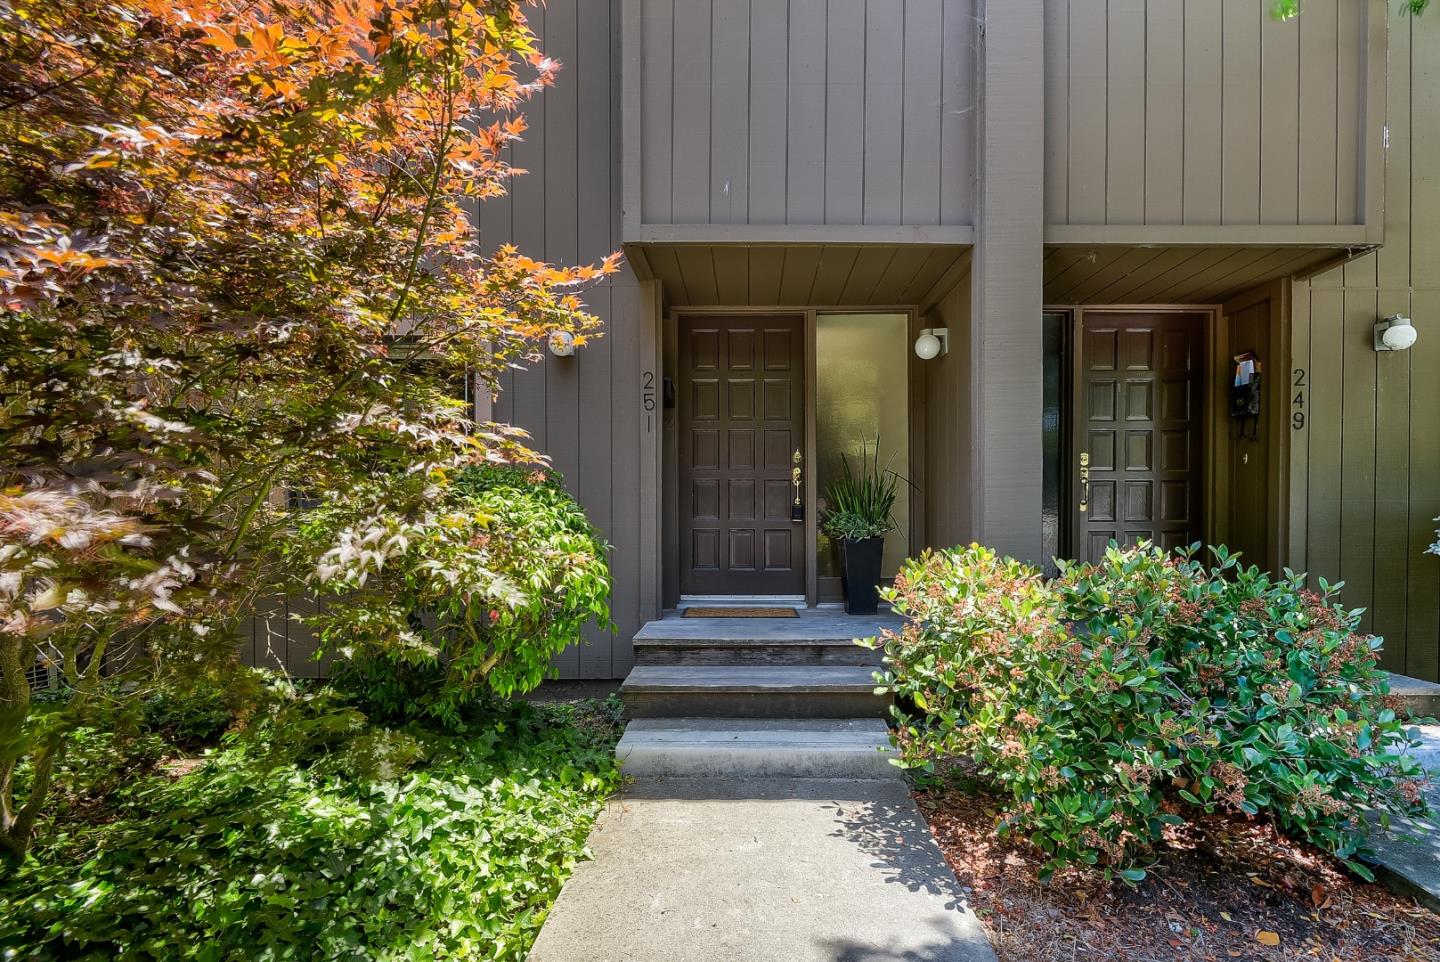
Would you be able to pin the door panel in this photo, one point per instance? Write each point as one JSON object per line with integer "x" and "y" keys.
{"x": 1138, "y": 420}
{"x": 742, "y": 401}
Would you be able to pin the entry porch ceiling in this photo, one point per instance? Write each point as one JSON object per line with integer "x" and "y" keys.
{"x": 1176, "y": 274}
{"x": 797, "y": 275}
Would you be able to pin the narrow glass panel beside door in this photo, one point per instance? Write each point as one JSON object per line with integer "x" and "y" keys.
{"x": 862, "y": 393}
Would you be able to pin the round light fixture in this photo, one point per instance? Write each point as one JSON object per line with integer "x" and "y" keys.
{"x": 1398, "y": 337}
{"x": 1395, "y": 333}
{"x": 931, "y": 343}
{"x": 562, "y": 344}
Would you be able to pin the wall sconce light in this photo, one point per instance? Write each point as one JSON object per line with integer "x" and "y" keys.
{"x": 1394, "y": 333}
{"x": 932, "y": 342}
{"x": 562, "y": 344}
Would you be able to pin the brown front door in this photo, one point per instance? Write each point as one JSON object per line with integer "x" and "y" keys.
{"x": 742, "y": 403}
{"x": 1138, "y": 430}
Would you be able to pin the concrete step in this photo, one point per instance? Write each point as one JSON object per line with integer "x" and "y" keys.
{"x": 752, "y": 651}
{"x": 1420, "y": 699}
{"x": 770, "y": 691}
{"x": 756, "y": 748}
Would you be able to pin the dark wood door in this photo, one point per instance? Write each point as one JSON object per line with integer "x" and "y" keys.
{"x": 1138, "y": 424}
{"x": 742, "y": 407}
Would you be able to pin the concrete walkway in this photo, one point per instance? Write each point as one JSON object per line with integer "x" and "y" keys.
{"x": 1408, "y": 855}
{"x": 740, "y": 870}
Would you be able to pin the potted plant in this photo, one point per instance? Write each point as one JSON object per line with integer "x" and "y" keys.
{"x": 859, "y": 511}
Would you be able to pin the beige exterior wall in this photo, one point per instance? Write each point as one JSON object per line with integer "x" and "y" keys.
{"x": 806, "y": 113}
{"x": 948, "y": 451}
{"x": 1209, "y": 112}
{"x": 1365, "y": 468}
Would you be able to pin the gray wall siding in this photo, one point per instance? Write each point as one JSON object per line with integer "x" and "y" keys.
{"x": 585, "y": 412}
{"x": 1365, "y": 469}
{"x": 1200, "y": 112}
{"x": 948, "y": 448}
{"x": 806, "y": 112}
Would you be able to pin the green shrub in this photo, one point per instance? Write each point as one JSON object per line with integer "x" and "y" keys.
{"x": 256, "y": 858}
{"x": 444, "y": 592}
{"x": 1110, "y": 702}
{"x": 193, "y": 712}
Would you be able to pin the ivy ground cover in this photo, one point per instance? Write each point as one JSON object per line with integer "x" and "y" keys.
{"x": 379, "y": 844}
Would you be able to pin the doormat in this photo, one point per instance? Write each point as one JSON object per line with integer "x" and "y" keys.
{"x": 740, "y": 613}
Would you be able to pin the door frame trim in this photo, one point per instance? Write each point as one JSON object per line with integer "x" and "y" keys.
{"x": 674, "y": 317}
{"x": 1212, "y": 424}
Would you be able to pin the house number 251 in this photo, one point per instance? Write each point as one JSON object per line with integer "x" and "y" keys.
{"x": 647, "y": 399}
{"x": 1297, "y": 403}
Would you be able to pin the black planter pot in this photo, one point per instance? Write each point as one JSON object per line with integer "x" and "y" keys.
{"x": 862, "y": 575}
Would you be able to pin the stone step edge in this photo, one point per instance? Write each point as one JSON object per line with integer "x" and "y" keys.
{"x": 669, "y": 642}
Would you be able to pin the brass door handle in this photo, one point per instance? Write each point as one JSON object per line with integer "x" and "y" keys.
{"x": 797, "y": 509}
{"x": 1084, "y": 481}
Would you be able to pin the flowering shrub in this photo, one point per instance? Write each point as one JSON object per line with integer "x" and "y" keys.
{"x": 452, "y": 588}
{"x": 1113, "y": 700}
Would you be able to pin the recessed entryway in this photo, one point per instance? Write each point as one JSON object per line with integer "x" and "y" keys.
{"x": 766, "y": 408}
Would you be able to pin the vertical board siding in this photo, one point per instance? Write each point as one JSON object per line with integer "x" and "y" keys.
{"x": 729, "y": 111}
{"x": 1089, "y": 118}
{"x": 769, "y": 111}
{"x": 947, "y": 424}
{"x": 1172, "y": 112}
{"x": 1057, "y": 111}
{"x": 1365, "y": 471}
{"x": 957, "y": 103}
{"x": 689, "y": 121}
{"x": 1279, "y": 120}
{"x": 1125, "y": 159}
{"x": 1350, "y": 110}
{"x": 807, "y": 112}
{"x": 1319, "y": 42}
{"x": 884, "y": 135}
{"x": 920, "y": 128}
{"x": 1201, "y": 102}
{"x": 657, "y": 100}
{"x": 1164, "y": 158}
{"x": 1240, "y": 83}
{"x": 807, "y": 34}
{"x": 844, "y": 162}
{"x": 1421, "y": 204}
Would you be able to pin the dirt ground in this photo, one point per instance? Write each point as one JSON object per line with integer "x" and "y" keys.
{"x": 1223, "y": 888}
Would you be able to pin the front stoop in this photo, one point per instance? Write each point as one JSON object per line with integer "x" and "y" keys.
{"x": 748, "y": 691}
{"x": 757, "y": 748}
{"x": 756, "y": 698}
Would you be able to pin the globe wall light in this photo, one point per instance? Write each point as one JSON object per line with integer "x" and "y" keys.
{"x": 932, "y": 342}
{"x": 562, "y": 344}
{"x": 1394, "y": 333}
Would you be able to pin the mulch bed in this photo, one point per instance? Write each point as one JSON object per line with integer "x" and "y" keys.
{"x": 1222, "y": 888}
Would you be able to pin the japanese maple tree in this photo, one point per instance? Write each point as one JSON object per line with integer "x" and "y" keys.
{"x": 237, "y": 257}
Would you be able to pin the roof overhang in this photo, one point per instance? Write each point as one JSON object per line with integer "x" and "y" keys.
{"x": 1078, "y": 273}
{"x": 799, "y": 274}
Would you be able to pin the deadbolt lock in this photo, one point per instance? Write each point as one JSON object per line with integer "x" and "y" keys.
{"x": 797, "y": 508}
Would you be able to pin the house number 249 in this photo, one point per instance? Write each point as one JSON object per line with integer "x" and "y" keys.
{"x": 1297, "y": 403}
{"x": 647, "y": 399}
